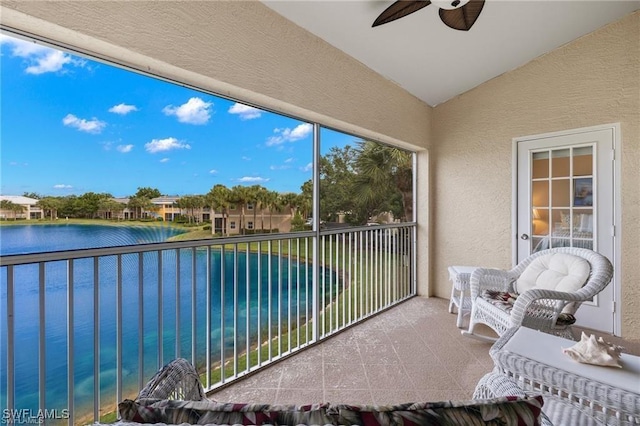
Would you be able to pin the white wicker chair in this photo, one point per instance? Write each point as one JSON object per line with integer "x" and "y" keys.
{"x": 536, "y": 308}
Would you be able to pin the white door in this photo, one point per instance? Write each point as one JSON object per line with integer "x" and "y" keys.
{"x": 565, "y": 198}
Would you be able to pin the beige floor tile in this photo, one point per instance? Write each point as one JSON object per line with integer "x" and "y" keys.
{"x": 345, "y": 376}
{"x": 246, "y": 395}
{"x": 351, "y": 396}
{"x": 300, "y": 396}
{"x": 378, "y": 354}
{"x": 302, "y": 376}
{"x": 340, "y": 354}
{"x": 387, "y": 376}
{"x": 394, "y": 397}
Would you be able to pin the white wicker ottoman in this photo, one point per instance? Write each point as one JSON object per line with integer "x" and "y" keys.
{"x": 535, "y": 362}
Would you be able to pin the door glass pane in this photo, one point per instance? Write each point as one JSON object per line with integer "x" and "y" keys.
{"x": 583, "y": 223}
{"x": 583, "y": 161}
{"x": 540, "y": 221}
{"x": 560, "y": 164}
{"x": 583, "y": 192}
{"x": 540, "y": 165}
{"x": 560, "y": 193}
{"x": 561, "y": 221}
{"x": 540, "y": 193}
{"x": 539, "y": 244}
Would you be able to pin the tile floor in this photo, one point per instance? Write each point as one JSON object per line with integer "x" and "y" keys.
{"x": 412, "y": 352}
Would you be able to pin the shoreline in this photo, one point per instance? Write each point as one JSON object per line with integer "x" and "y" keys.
{"x": 93, "y": 222}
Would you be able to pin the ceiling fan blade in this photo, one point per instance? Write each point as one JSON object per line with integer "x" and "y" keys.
{"x": 399, "y": 9}
{"x": 463, "y": 17}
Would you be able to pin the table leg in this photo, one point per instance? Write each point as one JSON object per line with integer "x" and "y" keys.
{"x": 453, "y": 290}
{"x": 460, "y": 310}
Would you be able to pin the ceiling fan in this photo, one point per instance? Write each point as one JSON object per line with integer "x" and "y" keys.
{"x": 456, "y": 14}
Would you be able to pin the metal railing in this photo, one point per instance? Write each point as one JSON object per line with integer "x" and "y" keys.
{"x": 81, "y": 330}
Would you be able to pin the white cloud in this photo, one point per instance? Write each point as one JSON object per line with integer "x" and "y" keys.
{"x": 281, "y": 136}
{"x": 252, "y": 179}
{"x": 282, "y": 167}
{"x": 122, "y": 109}
{"x": 245, "y": 158}
{"x": 23, "y": 48}
{"x": 195, "y": 111}
{"x": 245, "y": 112}
{"x": 307, "y": 168}
{"x": 289, "y": 160}
{"x": 164, "y": 160}
{"x": 124, "y": 148}
{"x": 62, "y": 186}
{"x": 213, "y": 172}
{"x": 160, "y": 145}
{"x": 51, "y": 62}
{"x": 40, "y": 59}
{"x": 94, "y": 125}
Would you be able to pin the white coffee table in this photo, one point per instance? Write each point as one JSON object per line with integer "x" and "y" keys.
{"x": 536, "y": 362}
{"x": 460, "y": 277}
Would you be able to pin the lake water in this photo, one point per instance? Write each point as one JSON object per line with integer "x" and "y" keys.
{"x": 29, "y": 239}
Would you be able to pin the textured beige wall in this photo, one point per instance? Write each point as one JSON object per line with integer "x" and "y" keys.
{"x": 593, "y": 80}
{"x": 240, "y": 49}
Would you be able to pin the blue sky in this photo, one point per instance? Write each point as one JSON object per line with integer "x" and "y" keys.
{"x": 70, "y": 125}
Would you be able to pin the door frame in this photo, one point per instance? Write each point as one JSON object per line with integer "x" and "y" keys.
{"x": 616, "y": 151}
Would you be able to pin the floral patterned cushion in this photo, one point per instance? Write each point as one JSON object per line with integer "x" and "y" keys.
{"x": 208, "y": 412}
{"x": 504, "y": 411}
{"x": 499, "y": 411}
{"x": 504, "y": 301}
{"x": 500, "y": 299}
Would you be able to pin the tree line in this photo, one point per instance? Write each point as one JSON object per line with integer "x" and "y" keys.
{"x": 356, "y": 182}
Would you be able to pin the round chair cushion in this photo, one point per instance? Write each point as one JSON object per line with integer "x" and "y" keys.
{"x": 555, "y": 271}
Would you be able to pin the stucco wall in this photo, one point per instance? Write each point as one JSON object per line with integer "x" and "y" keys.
{"x": 593, "y": 80}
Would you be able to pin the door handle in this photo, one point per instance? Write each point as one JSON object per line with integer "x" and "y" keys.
{"x": 524, "y": 237}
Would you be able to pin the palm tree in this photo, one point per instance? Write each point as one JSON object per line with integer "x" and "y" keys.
{"x": 190, "y": 203}
{"x": 383, "y": 170}
{"x": 197, "y": 203}
{"x": 109, "y": 205}
{"x": 271, "y": 201}
{"x": 240, "y": 196}
{"x": 218, "y": 198}
{"x": 305, "y": 204}
{"x": 12, "y": 207}
{"x": 139, "y": 204}
{"x": 258, "y": 193}
{"x": 51, "y": 204}
{"x": 260, "y": 204}
{"x": 290, "y": 199}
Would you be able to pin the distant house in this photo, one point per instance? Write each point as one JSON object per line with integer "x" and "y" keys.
{"x": 166, "y": 208}
{"x": 229, "y": 221}
{"x": 30, "y": 209}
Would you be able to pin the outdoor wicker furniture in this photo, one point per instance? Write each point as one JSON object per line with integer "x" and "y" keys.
{"x": 542, "y": 292}
{"x": 460, "y": 277}
{"x": 176, "y": 380}
{"x": 574, "y": 393}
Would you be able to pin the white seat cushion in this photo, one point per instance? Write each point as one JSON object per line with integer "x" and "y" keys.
{"x": 554, "y": 271}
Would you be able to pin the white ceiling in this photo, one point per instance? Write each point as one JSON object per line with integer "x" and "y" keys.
{"x": 434, "y": 62}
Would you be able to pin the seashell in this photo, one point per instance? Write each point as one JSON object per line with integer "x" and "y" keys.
{"x": 590, "y": 350}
